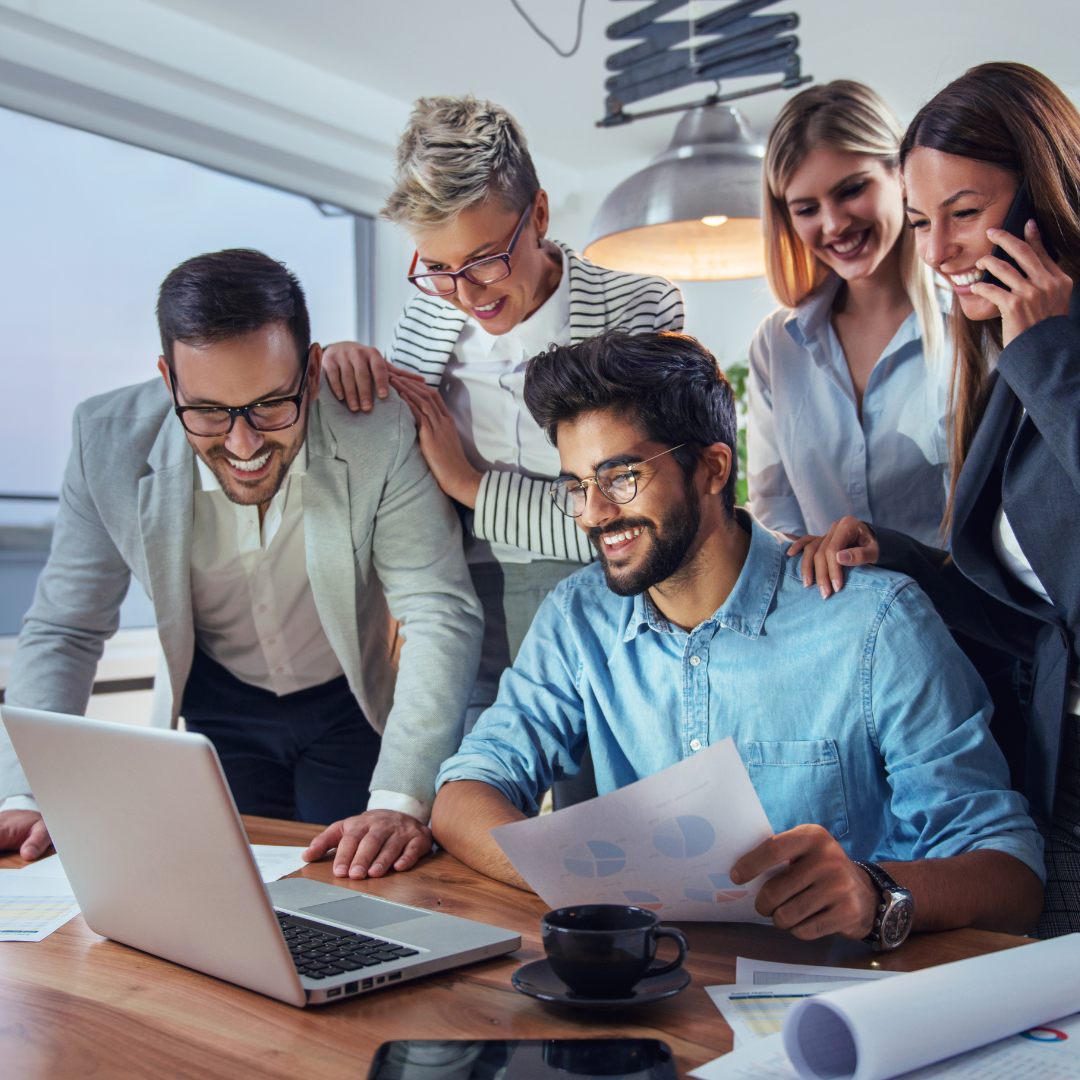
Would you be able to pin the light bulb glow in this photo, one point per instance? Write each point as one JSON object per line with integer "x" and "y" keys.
{"x": 714, "y": 220}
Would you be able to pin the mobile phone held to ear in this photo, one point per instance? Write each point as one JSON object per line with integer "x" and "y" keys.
{"x": 1020, "y": 213}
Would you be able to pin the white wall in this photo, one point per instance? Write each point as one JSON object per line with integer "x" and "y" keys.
{"x": 90, "y": 228}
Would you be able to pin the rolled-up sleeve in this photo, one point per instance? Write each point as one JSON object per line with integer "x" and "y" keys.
{"x": 928, "y": 711}
{"x": 535, "y": 733}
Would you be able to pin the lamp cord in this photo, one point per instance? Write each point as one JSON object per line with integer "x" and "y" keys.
{"x": 540, "y": 33}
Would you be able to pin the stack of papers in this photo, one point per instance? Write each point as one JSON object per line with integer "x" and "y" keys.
{"x": 764, "y": 993}
{"x": 38, "y": 899}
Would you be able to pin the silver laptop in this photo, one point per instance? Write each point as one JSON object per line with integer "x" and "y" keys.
{"x": 157, "y": 856}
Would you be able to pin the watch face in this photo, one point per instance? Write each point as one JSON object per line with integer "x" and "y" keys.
{"x": 897, "y": 923}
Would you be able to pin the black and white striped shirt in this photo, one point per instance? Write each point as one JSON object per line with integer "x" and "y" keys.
{"x": 512, "y": 508}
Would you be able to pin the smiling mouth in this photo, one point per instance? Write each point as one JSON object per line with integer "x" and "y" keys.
{"x": 848, "y": 247}
{"x": 616, "y": 542}
{"x": 969, "y": 277}
{"x": 489, "y": 311}
{"x": 254, "y": 465}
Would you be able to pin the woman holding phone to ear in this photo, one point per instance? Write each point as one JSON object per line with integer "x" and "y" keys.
{"x": 1014, "y": 504}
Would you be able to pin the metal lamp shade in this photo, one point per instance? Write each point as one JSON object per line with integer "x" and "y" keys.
{"x": 652, "y": 222}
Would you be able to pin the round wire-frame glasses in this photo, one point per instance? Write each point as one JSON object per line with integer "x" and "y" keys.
{"x": 617, "y": 483}
{"x": 485, "y": 271}
{"x": 208, "y": 421}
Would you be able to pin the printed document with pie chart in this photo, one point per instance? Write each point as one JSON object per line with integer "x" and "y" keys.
{"x": 665, "y": 843}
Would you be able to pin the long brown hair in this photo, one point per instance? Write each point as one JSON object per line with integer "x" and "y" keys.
{"x": 852, "y": 119}
{"x": 1014, "y": 117}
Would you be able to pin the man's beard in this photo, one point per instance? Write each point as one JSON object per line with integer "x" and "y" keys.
{"x": 242, "y": 494}
{"x": 667, "y": 552}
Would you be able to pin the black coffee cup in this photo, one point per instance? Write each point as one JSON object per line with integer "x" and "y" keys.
{"x": 604, "y": 950}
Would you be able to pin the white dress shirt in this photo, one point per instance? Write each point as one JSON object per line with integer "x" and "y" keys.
{"x": 483, "y": 388}
{"x": 251, "y": 599}
{"x": 811, "y": 460}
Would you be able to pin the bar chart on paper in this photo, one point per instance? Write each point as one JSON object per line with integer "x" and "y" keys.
{"x": 31, "y": 918}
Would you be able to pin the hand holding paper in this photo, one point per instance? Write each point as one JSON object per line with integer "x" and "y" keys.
{"x": 666, "y": 843}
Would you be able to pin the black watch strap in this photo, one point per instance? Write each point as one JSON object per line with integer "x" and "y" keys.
{"x": 878, "y": 875}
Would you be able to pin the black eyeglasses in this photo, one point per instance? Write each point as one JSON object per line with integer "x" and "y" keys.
{"x": 485, "y": 271}
{"x": 211, "y": 420}
{"x": 617, "y": 483}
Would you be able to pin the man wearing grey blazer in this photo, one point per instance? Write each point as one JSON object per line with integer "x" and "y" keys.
{"x": 314, "y": 608}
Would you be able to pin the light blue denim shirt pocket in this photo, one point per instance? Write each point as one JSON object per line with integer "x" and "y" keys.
{"x": 799, "y": 782}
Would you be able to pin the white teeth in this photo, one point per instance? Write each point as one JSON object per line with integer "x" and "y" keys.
{"x": 849, "y": 245}
{"x": 617, "y": 538}
{"x": 487, "y": 307}
{"x": 254, "y": 465}
{"x": 966, "y": 279}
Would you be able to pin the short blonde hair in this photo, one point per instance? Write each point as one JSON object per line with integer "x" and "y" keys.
{"x": 456, "y": 153}
{"x": 851, "y": 118}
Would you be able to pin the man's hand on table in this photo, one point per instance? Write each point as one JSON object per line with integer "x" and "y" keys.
{"x": 820, "y": 892}
{"x": 372, "y": 843}
{"x": 24, "y": 830}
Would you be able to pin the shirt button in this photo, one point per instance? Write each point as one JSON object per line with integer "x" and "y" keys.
{"x": 280, "y": 670}
{"x": 695, "y": 744}
{"x": 694, "y": 661}
{"x": 858, "y": 489}
{"x": 262, "y": 608}
{"x": 272, "y": 641}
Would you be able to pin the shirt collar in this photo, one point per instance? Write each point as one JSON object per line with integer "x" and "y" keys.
{"x": 537, "y": 332}
{"x": 745, "y": 608}
{"x": 209, "y": 482}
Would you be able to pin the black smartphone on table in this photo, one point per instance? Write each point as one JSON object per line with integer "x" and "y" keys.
{"x": 524, "y": 1059}
{"x": 1020, "y": 213}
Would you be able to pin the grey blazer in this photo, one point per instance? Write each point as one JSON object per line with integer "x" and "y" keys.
{"x": 381, "y": 540}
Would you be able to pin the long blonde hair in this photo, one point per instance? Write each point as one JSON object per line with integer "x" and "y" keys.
{"x": 852, "y": 119}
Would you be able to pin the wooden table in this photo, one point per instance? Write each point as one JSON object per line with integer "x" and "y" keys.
{"x": 79, "y": 1006}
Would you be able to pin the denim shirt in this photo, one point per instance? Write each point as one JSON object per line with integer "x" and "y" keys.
{"x": 858, "y": 713}
{"x": 811, "y": 458}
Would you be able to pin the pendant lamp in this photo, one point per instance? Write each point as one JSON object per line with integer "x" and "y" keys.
{"x": 692, "y": 214}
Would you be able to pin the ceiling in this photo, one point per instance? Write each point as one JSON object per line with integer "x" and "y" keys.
{"x": 408, "y": 48}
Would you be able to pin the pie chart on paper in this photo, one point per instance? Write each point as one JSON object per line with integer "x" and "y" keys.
{"x": 684, "y": 837}
{"x": 714, "y": 889}
{"x": 595, "y": 858}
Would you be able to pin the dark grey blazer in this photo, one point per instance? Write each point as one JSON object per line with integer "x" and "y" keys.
{"x": 1033, "y": 465}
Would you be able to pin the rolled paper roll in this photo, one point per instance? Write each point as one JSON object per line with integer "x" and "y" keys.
{"x": 877, "y": 1030}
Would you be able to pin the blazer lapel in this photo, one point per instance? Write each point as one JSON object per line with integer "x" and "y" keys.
{"x": 328, "y": 545}
{"x": 165, "y": 517}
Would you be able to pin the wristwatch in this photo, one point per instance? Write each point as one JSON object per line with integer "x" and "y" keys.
{"x": 895, "y": 911}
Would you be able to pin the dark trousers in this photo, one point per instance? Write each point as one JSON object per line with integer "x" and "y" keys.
{"x": 306, "y": 756}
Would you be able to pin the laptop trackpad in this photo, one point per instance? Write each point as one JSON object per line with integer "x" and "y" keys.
{"x": 365, "y": 912}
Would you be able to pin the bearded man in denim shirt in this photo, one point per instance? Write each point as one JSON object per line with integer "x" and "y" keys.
{"x": 862, "y": 725}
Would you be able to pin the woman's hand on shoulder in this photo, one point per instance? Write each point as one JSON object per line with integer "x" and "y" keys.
{"x": 1043, "y": 294}
{"x": 352, "y": 369}
{"x": 850, "y": 542}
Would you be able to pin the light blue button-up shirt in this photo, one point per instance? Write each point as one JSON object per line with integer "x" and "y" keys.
{"x": 859, "y": 714}
{"x": 811, "y": 461}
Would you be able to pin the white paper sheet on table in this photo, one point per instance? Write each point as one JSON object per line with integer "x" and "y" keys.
{"x": 31, "y": 907}
{"x": 769, "y": 973}
{"x": 274, "y": 862}
{"x": 1041, "y": 1054}
{"x": 989, "y": 1016}
{"x": 666, "y": 843}
{"x": 757, "y": 1012}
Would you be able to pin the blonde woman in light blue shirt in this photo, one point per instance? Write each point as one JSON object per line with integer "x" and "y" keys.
{"x": 847, "y": 386}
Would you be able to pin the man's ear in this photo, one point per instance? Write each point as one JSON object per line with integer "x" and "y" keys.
{"x": 163, "y": 367}
{"x": 718, "y": 462}
{"x": 314, "y": 371}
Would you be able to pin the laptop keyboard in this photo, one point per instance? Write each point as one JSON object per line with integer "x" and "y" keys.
{"x": 319, "y": 951}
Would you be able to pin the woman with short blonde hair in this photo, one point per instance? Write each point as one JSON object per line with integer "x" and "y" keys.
{"x": 491, "y": 292}
{"x": 847, "y": 394}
